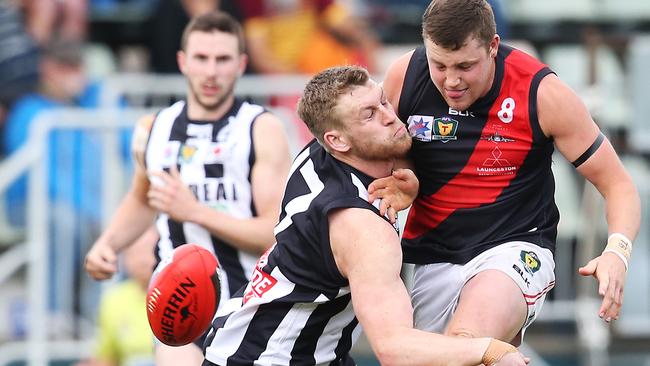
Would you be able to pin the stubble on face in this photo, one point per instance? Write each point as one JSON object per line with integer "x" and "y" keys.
{"x": 210, "y": 104}
{"x": 396, "y": 147}
{"x": 211, "y": 64}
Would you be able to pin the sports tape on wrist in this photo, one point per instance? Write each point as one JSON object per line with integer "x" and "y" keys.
{"x": 495, "y": 351}
{"x": 620, "y": 245}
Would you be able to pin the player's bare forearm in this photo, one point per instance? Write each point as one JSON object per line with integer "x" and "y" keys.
{"x": 253, "y": 235}
{"x": 132, "y": 218}
{"x": 360, "y": 239}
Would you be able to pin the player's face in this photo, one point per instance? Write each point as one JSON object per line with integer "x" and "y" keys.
{"x": 372, "y": 127}
{"x": 211, "y": 62}
{"x": 464, "y": 75}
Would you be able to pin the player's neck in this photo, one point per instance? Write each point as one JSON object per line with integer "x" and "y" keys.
{"x": 197, "y": 112}
{"x": 492, "y": 73}
{"x": 373, "y": 168}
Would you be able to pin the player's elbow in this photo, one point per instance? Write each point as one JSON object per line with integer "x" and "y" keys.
{"x": 388, "y": 353}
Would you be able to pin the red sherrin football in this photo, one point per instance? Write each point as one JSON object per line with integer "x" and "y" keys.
{"x": 183, "y": 295}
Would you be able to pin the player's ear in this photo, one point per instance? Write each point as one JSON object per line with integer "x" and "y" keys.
{"x": 243, "y": 62}
{"x": 336, "y": 141}
{"x": 180, "y": 60}
{"x": 494, "y": 46}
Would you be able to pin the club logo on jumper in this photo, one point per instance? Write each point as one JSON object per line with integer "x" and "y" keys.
{"x": 444, "y": 129}
{"x": 496, "y": 138}
{"x": 496, "y": 164}
{"x": 531, "y": 261}
{"x": 186, "y": 153}
{"x": 420, "y": 127}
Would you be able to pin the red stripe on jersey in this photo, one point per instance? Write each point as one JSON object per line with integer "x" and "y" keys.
{"x": 495, "y": 162}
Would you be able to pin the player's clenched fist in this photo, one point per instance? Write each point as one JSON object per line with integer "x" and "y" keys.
{"x": 101, "y": 261}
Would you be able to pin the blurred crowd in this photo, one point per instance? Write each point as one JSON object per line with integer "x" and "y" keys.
{"x": 45, "y": 44}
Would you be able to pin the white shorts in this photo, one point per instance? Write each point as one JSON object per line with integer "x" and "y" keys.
{"x": 436, "y": 287}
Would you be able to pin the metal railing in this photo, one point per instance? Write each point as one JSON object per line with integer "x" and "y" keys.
{"x": 31, "y": 158}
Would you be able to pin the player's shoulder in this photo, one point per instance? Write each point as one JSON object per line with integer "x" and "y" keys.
{"x": 520, "y": 60}
{"x": 395, "y": 75}
{"x": 268, "y": 120}
{"x": 397, "y": 69}
{"x": 340, "y": 179}
{"x": 140, "y": 138}
{"x": 269, "y": 136}
{"x": 146, "y": 122}
{"x": 555, "y": 95}
{"x": 142, "y": 130}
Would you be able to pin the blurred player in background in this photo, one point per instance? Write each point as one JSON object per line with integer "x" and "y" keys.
{"x": 484, "y": 119}
{"x": 212, "y": 168}
{"x": 306, "y": 36}
{"x": 336, "y": 265}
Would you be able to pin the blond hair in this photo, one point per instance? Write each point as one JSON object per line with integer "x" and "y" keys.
{"x": 317, "y": 107}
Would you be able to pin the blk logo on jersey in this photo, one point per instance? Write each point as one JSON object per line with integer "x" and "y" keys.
{"x": 455, "y": 112}
{"x": 531, "y": 261}
{"x": 444, "y": 129}
{"x": 420, "y": 127}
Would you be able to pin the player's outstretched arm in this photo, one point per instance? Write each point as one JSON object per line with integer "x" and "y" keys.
{"x": 367, "y": 252}
{"x": 564, "y": 117}
{"x": 132, "y": 218}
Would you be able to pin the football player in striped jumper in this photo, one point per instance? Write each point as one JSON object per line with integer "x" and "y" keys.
{"x": 335, "y": 267}
{"x": 210, "y": 170}
{"x": 485, "y": 119}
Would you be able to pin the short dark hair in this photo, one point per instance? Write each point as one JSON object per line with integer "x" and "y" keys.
{"x": 449, "y": 23}
{"x": 214, "y": 21}
{"x": 317, "y": 106}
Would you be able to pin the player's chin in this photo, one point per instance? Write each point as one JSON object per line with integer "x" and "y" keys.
{"x": 402, "y": 145}
{"x": 460, "y": 103}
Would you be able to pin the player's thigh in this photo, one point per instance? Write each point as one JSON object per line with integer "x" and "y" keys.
{"x": 188, "y": 355}
{"x": 434, "y": 293}
{"x": 491, "y": 304}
